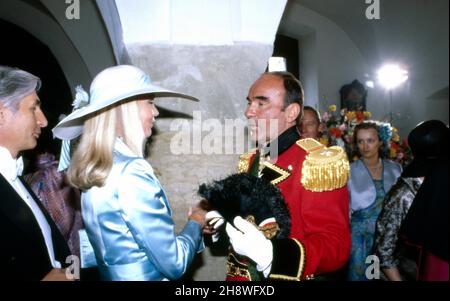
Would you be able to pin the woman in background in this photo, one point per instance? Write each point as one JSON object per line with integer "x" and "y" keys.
{"x": 371, "y": 177}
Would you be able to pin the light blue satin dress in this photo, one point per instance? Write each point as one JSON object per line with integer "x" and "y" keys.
{"x": 129, "y": 224}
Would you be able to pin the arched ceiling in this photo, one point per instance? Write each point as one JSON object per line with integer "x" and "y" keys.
{"x": 412, "y": 33}
{"x": 349, "y": 15}
{"x": 402, "y": 22}
{"x": 70, "y": 41}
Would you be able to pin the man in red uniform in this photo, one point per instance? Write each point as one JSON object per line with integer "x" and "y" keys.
{"x": 312, "y": 180}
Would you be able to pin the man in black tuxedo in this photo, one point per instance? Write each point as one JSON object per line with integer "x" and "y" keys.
{"x": 32, "y": 246}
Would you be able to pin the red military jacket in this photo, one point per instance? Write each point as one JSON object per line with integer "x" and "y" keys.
{"x": 319, "y": 242}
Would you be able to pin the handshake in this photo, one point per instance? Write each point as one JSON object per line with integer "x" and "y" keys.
{"x": 245, "y": 238}
{"x": 259, "y": 202}
{"x": 247, "y": 241}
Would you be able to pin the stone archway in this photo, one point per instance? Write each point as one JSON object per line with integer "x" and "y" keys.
{"x": 82, "y": 48}
{"x": 37, "y": 37}
{"x": 28, "y": 53}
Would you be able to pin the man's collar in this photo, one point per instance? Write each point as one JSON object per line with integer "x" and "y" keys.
{"x": 283, "y": 142}
{"x": 10, "y": 167}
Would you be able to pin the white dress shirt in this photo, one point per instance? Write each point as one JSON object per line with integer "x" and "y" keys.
{"x": 10, "y": 169}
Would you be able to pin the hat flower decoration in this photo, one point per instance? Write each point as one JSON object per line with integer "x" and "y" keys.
{"x": 81, "y": 98}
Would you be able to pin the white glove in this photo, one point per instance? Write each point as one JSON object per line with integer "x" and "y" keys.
{"x": 215, "y": 219}
{"x": 248, "y": 241}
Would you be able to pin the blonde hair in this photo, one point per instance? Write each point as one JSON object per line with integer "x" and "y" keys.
{"x": 93, "y": 158}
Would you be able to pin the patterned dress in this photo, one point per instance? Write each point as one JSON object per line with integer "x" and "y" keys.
{"x": 391, "y": 253}
{"x": 362, "y": 230}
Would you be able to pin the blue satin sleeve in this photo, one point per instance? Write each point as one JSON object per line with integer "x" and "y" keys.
{"x": 147, "y": 213}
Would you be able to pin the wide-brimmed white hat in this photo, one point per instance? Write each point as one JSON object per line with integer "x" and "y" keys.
{"x": 109, "y": 87}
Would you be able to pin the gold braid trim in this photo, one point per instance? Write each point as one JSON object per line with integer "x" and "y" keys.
{"x": 244, "y": 161}
{"x": 301, "y": 265}
{"x": 324, "y": 169}
{"x": 236, "y": 268}
{"x": 284, "y": 174}
{"x": 269, "y": 230}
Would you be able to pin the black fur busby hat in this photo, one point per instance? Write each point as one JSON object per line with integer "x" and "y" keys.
{"x": 244, "y": 194}
{"x": 429, "y": 144}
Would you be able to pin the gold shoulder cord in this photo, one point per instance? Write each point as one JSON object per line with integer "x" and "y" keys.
{"x": 244, "y": 161}
{"x": 324, "y": 168}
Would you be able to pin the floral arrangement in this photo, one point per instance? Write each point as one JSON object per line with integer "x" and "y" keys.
{"x": 339, "y": 128}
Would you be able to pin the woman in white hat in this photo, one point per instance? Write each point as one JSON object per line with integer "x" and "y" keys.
{"x": 125, "y": 210}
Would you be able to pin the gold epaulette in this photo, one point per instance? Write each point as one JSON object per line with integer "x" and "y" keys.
{"x": 244, "y": 161}
{"x": 324, "y": 168}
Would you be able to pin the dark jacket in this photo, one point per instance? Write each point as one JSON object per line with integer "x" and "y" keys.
{"x": 23, "y": 254}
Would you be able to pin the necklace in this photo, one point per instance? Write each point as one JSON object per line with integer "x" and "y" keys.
{"x": 376, "y": 167}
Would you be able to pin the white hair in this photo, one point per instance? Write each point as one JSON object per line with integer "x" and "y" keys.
{"x": 15, "y": 84}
